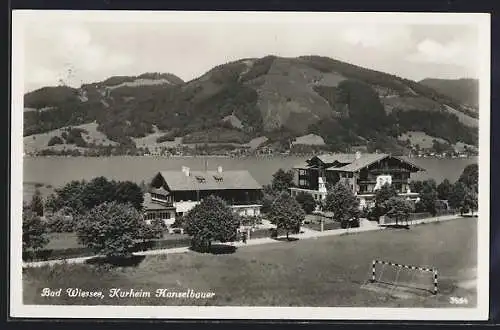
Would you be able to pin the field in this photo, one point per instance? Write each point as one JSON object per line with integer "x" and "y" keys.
{"x": 327, "y": 271}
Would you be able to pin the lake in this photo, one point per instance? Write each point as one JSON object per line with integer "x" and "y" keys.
{"x": 56, "y": 171}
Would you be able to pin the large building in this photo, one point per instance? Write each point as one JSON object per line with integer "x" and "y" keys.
{"x": 363, "y": 173}
{"x": 173, "y": 193}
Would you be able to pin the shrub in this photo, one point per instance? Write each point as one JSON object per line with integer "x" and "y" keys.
{"x": 34, "y": 231}
{"x": 55, "y": 140}
{"x": 61, "y": 223}
{"x": 306, "y": 201}
{"x": 110, "y": 229}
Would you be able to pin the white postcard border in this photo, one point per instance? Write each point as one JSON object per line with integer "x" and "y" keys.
{"x": 17, "y": 309}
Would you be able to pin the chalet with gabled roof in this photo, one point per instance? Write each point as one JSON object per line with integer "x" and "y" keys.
{"x": 363, "y": 173}
{"x": 182, "y": 190}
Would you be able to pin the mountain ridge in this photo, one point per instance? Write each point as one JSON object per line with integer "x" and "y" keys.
{"x": 276, "y": 97}
{"x": 463, "y": 90}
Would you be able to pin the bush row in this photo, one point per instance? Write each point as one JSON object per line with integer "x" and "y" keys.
{"x": 51, "y": 254}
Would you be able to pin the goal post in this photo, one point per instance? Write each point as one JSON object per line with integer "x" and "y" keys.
{"x": 399, "y": 267}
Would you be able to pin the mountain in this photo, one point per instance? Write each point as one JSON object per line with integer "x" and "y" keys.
{"x": 279, "y": 98}
{"x": 465, "y": 91}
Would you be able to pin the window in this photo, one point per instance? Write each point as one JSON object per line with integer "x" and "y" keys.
{"x": 200, "y": 179}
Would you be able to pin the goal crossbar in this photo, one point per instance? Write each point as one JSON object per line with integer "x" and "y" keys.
{"x": 410, "y": 267}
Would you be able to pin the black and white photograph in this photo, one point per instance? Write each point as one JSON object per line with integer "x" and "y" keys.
{"x": 250, "y": 165}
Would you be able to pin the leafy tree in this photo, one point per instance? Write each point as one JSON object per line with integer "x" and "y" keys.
{"x": 286, "y": 213}
{"x": 110, "y": 229}
{"x": 34, "y": 230}
{"x": 69, "y": 196}
{"x": 55, "y": 140}
{"x": 97, "y": 191}
{"x": 416, "y": 186}
{"x": 343, "y": 203}
{"x": 129, "y": 192}
{"x": 428, "y": 196}
{"x": 470, "y": 176}
{"x": 306, "y": 201}
{"x": 282, "y": 180}
{"x": 469, "y": 202}
{"x": 37, "y": 203}
{"x": 398, "y": 208}
{"x": 151, "y": 231}
{"x": 82, "y": 196}
{"x": 267, "y": 202}
{"x": 457, "y": 195}
{"x": 444, "y": 189}
{"x": 382, "y": 195}
{"x": 211, "y": 220}
{"x": 62, "y": 221}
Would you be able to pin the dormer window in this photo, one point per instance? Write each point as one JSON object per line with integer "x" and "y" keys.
{"x": 200, "y": 179}
{"x": 218, "y": 178}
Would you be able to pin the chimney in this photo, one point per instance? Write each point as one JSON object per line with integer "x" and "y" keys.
{"x": 219, "y": 169}
{"x": 358, "y": 154}
{"x": 185, "y": 170}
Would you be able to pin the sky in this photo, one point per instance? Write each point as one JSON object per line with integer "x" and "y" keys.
{"x": 73, "y": 50}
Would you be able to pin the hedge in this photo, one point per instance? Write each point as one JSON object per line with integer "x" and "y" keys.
{"x": 51, "y": 254}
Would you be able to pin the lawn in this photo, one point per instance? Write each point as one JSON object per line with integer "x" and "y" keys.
{"x": 327, "y": 271}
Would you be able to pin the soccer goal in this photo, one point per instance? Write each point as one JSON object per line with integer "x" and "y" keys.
{"x": 401, "y": 276}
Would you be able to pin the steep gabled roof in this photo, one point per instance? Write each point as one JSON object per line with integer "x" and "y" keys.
{"x": 340, "y": 158}
{"x": 209, "y": 180}
{"x": 349, "y": 163}
{"x": 363, "y": 161}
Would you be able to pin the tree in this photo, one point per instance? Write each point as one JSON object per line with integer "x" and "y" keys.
{"x": 97, "y": 191}
{"x": 382, "y": 195}
{"x": 81, "y": 196}
{"x": 469, "y": 202}
{"x": 306, "y": 201}
{"x": 444, "y": 189}
{"x": 69, "y": 196}
{"x": 55, "y": 140}
{"x": 282, "y": 180}
{"x": 428, "y": 196}
{"x": 151, "y": 231}
{"x": 398, "y": 208}
{"x": 211, "y": 220}
{"x": 286, "y": 213}
{"x": 457, "y": 195}
{"x": 470, "y": 176}
{"x": 62, "y": 221}
{"x": 110, "y": 229}
{"x": 34, "y": 230}
{"x": 344, "y": 205}
{"x": 416, "y": 186}
{"x": 129, "y": 192}
{"x": 37, "y": 203}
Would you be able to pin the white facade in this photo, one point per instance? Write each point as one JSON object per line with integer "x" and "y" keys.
{"x": 243, "y": 210}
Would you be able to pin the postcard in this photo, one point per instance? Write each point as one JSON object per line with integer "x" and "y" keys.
{"x": 250, "y": 165}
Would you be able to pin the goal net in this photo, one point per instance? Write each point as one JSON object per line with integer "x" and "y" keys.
{"x": 394, "y": 276}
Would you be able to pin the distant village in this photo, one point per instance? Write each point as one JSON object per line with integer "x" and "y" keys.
{"x": 236, "y": 151}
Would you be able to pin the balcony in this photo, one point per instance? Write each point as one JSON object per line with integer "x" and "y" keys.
{"x": 374, "y": 181}
{"x": 389, "y": 170}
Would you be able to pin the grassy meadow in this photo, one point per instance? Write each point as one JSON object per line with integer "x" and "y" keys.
{"x": 327, "y": 271}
